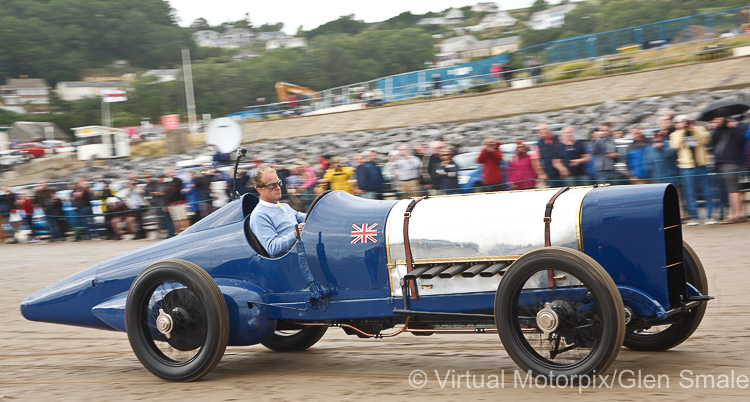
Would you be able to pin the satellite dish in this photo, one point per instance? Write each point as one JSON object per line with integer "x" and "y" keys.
{"x": 224, "y": 134}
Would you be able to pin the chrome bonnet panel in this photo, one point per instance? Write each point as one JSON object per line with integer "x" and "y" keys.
{"x": 484, "y": 225}
{"x": 499, "y": 226}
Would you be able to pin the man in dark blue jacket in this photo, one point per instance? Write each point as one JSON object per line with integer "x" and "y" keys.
{"x": 369, "y": 177}
{"x": 728, "y": 142}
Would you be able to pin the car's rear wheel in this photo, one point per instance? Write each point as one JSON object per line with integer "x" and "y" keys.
{"x": 177, "y": 320}
{"x": 292, "y": 340}
{"x": 665, "y": 337}
{"x": 559, "y": 314}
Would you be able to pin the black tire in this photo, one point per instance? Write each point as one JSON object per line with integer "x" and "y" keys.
{"x": 587, "y": 307}
{"x": 665, "y": 337}
{"x": 188, "y": 303}
{"x": 295, "y": 340}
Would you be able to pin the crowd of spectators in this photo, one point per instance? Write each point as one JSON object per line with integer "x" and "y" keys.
{"x": 678, "y": 152}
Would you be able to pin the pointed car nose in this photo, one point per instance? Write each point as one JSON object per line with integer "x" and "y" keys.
{"x": 68, "y": 301}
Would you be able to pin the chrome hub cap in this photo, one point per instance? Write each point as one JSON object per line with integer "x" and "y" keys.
{"x": 164, "y": 323}
{"x": 546, "y": 319}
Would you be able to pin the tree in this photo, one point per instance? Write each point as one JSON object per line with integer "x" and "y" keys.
{"x": 401, "y": 21}
{"x": 344, "y": 25}
{"x": 539, "y": 5}
{"x": 244, "y": 23}
{"x": 199, "y": 24}
{"x": 271, "y": 27}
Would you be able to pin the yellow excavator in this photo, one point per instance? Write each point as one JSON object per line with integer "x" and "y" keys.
{"x": 284, "y": 89}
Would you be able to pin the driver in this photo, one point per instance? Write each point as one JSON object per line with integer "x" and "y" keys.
{"x": 273, "y": 222}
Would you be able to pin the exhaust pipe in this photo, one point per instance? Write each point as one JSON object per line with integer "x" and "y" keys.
{"x": 494, "y": 269}
{"x": 454, "y": 270}
{"x": 434, "y": 271}
{"x": 476, "y": 269}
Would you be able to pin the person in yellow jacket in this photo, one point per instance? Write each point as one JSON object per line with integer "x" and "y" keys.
{"x": 338, "y": 176}
{"x": 690, "y": 141}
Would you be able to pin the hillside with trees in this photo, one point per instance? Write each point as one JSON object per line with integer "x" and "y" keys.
{"x": 55, "y": 39}
{"x": 59, "y": 40}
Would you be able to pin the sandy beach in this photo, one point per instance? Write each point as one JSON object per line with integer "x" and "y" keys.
{"x": 41, "y": 361}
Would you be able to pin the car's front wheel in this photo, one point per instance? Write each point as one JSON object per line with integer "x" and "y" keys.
{"x": 177, "y": 320}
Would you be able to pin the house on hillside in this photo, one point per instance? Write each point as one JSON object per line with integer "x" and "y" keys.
{"x": 491, "y": 47}
{"x": 500, "y": 19}
{"x": 463, "y": 49}
{"x": 286, "y": 43}
{"x": 454, "y": 16}
{"x": 28, "y": 131}
{"x": 232, "y": 38}
{"x": 487, "y": 7}
{"x": 266, "y": 36}
{"x": 77, "y": 90}
{"x": 457, "y": 44}
{"x": 550, "y": 18}
{"x": 240, "y": 36}
{"x": 206, "y": 37}
{"x": 432, "y": 21}
{"x": 163, "y": 74}
{"x": 30, "y": 94}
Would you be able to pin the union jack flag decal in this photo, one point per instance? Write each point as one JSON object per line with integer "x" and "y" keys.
{"x": 364, "y": 233}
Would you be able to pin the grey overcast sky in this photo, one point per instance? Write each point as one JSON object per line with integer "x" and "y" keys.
{"x": 313, "y": 13}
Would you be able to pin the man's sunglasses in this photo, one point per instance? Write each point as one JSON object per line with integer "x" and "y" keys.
{"x": 272, "y": 185}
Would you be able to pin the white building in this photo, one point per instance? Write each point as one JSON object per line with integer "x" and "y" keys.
{"x": 457, "y": 44}
{"x": 240, "y": 36}
{"x": 550, "y": 18}
{"x": 432, "y": 21}
{"x": 232, "y": 38}
{"x": 491, "y": 47}
{"x": 499, "y": 19}
{"x": 205, "y": 38}
{"x": 463, "y": 49}
{"x": 454, "y": 16}
{"x": 487, "y": 7}
{"x": 266, "y": 36}
{"x": 286, "y": 43}
{"x": 77, "y": 90}
{"x": 163, "y": 74}
{"x": 24, "y": 93}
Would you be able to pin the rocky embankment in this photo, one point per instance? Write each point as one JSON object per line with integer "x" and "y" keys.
{"x": 622, "y": 115}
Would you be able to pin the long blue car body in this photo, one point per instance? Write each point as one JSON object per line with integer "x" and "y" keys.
{"x": 629, "y": 230}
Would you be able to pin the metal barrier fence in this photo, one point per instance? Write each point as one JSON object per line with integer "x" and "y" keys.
{"x": 628, "y": 43}
{"x": 679, "y": 30}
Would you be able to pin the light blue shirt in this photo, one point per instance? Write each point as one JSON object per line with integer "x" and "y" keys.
{"x": 273, "y": 225}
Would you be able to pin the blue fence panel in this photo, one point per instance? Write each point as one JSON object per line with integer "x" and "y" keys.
{"x": 419, "y": 83}
{"x": 648, "y": 35}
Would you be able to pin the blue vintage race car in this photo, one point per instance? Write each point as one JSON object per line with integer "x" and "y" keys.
{"x": 564, "y": 278}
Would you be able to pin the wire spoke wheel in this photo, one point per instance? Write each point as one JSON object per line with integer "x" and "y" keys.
{"x": 177, "y": 321}
{"x": 559, "y": 313}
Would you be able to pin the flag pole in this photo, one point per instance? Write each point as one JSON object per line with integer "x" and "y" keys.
{"x": 189, "y": 96}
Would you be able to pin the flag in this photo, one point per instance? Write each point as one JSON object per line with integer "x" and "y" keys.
{"x": 364, "y": 233}
{"x": 114, "y": 96}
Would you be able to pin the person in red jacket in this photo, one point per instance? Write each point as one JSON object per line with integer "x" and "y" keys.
{"x": 490, "y": 158}
{"x": 27, "y": 205}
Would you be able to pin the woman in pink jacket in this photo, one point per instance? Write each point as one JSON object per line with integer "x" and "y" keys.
{"x": 521, "y": 174}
